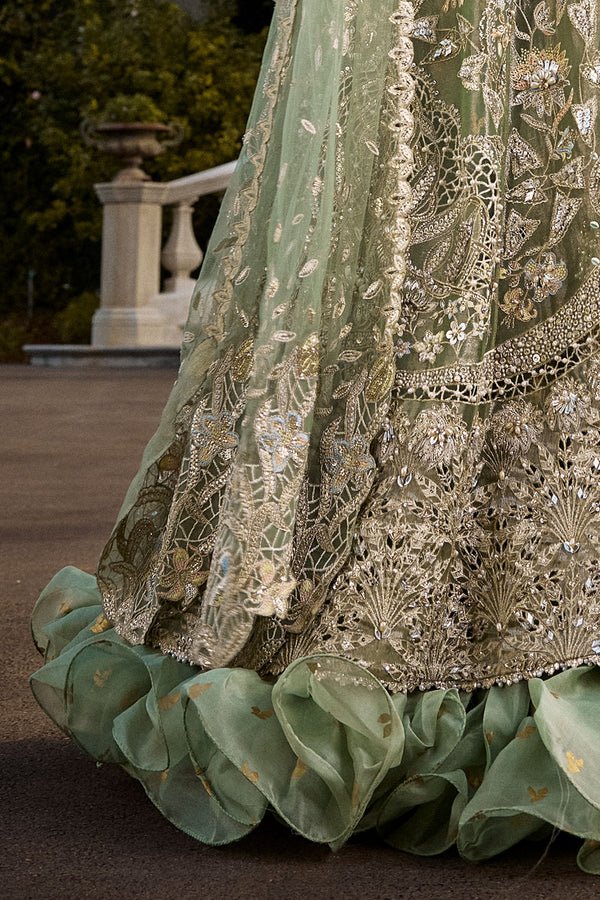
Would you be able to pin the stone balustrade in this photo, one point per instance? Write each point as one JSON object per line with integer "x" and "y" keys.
{"x": 134, "y": 312}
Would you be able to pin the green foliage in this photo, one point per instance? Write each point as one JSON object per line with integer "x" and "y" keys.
{"x": 249, "y": 15}
{"x": 15, "y": 331}
{"x": 73, "y": 323}
{"x": 252, "y": 15}
{"x": 13, "y": 334}
{"x": 131, "y": 108}
{"x": 65, "y": 60}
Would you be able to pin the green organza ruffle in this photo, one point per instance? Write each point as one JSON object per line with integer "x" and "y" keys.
{"x": 325, "y": 746}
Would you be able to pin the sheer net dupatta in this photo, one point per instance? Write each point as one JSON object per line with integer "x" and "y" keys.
{"x": 246, "y": 503}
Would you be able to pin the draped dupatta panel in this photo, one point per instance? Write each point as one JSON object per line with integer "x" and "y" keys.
{"x": 248, "y": 504}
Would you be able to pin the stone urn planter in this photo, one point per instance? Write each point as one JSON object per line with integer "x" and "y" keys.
{"x": 131, "y": 143}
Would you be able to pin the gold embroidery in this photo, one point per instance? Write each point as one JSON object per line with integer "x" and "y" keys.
{"x": 394, "y": 456}
{"x": 475, "y": 553}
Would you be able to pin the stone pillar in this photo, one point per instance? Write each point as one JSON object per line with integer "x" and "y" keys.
{"x": 131, "y": 249}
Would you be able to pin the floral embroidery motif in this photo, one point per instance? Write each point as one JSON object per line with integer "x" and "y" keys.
{"x": 284, "y": 440}
{"x": 213, "y": 435}
{"x": 539, "y": 78}
{"x": 350, "y": 461}
{"x": 567, "y": 405}
{"x": 183, "y": 579}
{"x": 544, "y": 276}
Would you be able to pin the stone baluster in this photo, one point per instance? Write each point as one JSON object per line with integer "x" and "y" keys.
{"x": 181, "y": 254}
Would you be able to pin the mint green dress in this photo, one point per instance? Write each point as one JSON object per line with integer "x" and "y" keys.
{"x": 356, "y": 580}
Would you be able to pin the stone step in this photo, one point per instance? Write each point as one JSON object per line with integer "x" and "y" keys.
{"x": 83, "y": 356}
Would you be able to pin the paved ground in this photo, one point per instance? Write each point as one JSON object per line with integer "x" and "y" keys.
{"x": 71, "y": 441}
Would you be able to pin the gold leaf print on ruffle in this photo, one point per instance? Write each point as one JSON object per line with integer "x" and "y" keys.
{"x": 535, "y": 796}
{"x": 300, "y": 769}
{"x": 262, "y": 713}
{"x": 204, "y": 781}
{"x": 196, "y": 690}
{"x": 169, "y": 701}
{"x": 574, "y": 765}
{"x": 249, "y": 774}
{"x": 386, "y": 721}
{"x": 101, "y": 676}
{"x": 100, "y": 625}
{"x": 526, "y": 732}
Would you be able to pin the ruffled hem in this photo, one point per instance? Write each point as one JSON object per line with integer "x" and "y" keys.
{"x": 325, "y": 745}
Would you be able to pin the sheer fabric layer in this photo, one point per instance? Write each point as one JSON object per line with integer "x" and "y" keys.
{"x": 288, "y": 353}
{"x": 325, "y": 746}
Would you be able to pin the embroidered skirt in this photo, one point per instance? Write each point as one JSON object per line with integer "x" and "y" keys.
{"x": 357, "y": 577}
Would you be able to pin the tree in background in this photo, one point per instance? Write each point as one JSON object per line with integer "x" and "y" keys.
{"x": 61, "y": 61}
{"x": 250, "y": 15}
{"x": 253, "y": 15}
